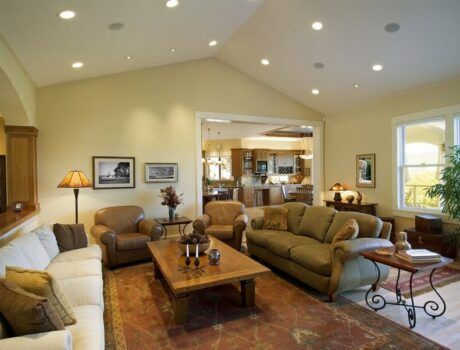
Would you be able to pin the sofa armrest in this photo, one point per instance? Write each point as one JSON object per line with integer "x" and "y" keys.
{"x": 107, "y": 240}
{"x": 257, "y": 223}
{"x": 55, "y": 340}
{"x": 345, "y": 250}
{"x": 201, "y": 223}
{"x": 239, "y": 225}
{"x": 152, "y": 229}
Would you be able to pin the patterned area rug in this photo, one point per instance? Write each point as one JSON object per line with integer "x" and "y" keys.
{"x": 421, "y": 281}
{"x": 139, "y": 316}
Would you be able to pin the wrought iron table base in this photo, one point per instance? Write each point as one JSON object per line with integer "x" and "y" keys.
{"x": 182, "y": 228}
{"x": 431, "y": 307}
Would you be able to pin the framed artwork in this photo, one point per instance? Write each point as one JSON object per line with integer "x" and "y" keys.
{"x": 114, "y": 172}
{"x": 365, "y": 170}
{"x": 161, "y": 172}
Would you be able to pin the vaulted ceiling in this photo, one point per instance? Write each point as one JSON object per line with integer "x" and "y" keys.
{"x": 423, "y": 51}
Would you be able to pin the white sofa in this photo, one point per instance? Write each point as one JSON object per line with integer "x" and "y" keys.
{"x": 79, "y": 273}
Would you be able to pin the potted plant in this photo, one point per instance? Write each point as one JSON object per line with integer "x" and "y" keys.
{"x": 448, "y": 191}
{"x": 171, "y": 199}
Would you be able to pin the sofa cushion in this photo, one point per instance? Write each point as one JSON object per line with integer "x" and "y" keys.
{"x": 282, "y": 245}
{"x": 129, "y": 241}
{"x": 43, "y": 284}
{"x": 27, "y": 313}
{"x": 12, "y": 256}
{"x": 32, "y": 249}
{"x": 220, "y": 231}
{"x": 275, "y": 218}
{"x": 369, "y": 226}
{"x": 314, "y": 257}
{"x": 316, "y": 221}
{"x": 296, "y": 210}
{"x": 88, "y": 333}
{"x": 91, "y": 252}
{"x": 71, "y": 269}
{"x": 87, "y": 290}
{"x": 349, "y": 230}
{"x": 259, "y": 237}
{"x": 48, "y": 240}
{"x": 70, "y": 236}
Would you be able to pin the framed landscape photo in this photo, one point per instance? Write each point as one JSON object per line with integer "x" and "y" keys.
{"x": 113, "y": 172}
{"x": 365, "y": 170}
{"x": 161, "y": 172}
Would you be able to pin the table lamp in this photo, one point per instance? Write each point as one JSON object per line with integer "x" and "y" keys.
{"x": 337, "y": 188}
{"x": 75, "y": 179}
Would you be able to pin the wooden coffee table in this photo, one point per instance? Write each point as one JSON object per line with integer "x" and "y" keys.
{"x": 234, "y": 267}
{"x": 378, "y": 302}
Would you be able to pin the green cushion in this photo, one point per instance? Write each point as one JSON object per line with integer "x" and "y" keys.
{"x": 369, "y": 226}
{"x": 316, "y": 221}
{"x": 295, "y": 214}
{"x": 314, "y": 257}
{"x": 259, "y": 237}
{"x": 282, "y": 245}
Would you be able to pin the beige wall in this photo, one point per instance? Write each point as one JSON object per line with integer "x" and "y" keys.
{"x": 148, "y": 114}
{"x": 367, "y": 129}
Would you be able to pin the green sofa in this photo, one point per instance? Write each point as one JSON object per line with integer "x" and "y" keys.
{"x": 305, "y": 251}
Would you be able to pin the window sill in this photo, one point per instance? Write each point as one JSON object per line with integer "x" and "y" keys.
{"x": 10, "y": 219}
{"x": 410, "y": 213}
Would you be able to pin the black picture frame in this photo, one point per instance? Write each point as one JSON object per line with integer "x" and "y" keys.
{"x": 120, "y": 172}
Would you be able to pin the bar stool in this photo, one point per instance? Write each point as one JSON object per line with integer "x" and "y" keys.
{"x": 258, "y": 199}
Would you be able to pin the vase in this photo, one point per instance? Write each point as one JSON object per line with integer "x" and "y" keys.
{"x": 359, "y": 198}
{"x": 401, "y": 241}
{"x": 171, "y": 214}
{"x": 350, "y": 198}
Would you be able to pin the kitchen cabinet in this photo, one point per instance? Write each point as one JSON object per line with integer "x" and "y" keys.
{"x": 276, "y": 195}
{"x": 242, "y": 164}
{"x": 285, "y": 158}
{"x": 248, "y": 197}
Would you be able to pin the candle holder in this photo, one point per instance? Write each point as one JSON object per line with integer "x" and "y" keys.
{"x": 198, "y": 270}
{"x": 187, "y": 267}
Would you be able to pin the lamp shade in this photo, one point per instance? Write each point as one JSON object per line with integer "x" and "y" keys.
{"x": 337, "y": 187}
{"x": 75, "y": 179}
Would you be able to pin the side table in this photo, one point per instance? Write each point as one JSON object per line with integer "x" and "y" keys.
{"x": 181, "y": 221}
{"x": 378, "y": 301}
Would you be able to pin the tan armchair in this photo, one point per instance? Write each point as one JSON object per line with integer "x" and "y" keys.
{"x": 224, "y": 220}
{"x": 122, "y": 233}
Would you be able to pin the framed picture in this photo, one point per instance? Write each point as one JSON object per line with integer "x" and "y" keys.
{"x": 114, "y": 172}
{"x": 365, "y": 170}
{"x": 160, "y": 172}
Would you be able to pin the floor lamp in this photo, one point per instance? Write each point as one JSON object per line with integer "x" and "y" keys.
{"x": 75, "y": 179}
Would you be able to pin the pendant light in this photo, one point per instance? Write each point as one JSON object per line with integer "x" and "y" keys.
{"x": 309, "y": 152}
{"x": 219, "y": 148}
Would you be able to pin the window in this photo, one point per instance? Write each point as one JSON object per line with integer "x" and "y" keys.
{"x": 220, "y": 170}
{"x": 422, "y": 147}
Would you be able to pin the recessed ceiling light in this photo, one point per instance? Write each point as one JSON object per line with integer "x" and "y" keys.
{"x": 318, "y": 65}
{"x": 77, "y": 65}
{"x": 67, "y": 14}
{"x": 172, "y": 49}
{"x": 265, "y": 61}
{"x": 356, "y": 85}
{"x": 115, "y": 26}
{"x": 172, "y": 3}
{"x": 315, "y": 91}
{"x": 317, "y": 25}
{"x": 377, "y": 67}
{"x": 212, "y": 43}
{"x": 128, "y": 57}
{"x": 392, "y": 27}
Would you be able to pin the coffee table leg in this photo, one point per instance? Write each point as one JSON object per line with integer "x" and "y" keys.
{"x": 248, "y": 293}
{"x": 180, "y": 307}
{"x": 156, "y": 271}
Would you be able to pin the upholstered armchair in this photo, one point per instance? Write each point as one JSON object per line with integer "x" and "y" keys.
{"x": 224, "y": 220}
{"x": 122, "y": 233}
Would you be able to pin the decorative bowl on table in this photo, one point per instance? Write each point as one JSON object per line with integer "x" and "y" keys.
{"x": 193, "y": 239}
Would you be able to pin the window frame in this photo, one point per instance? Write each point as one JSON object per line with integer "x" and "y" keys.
{"x": 451, "y": 116}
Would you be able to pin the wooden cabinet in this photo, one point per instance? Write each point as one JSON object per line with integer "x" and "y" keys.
{"x": 285, "y": 158}
{"x": 242, "y": 163}
{"x": 433, "y": 242}
{"x": 248, "y": 197}
{"x": 276, "y": 196}
{"x": 21, "y": 144}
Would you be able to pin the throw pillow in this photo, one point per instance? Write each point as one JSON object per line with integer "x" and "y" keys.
{"x": 70, "y": 237}
{"x": 48, "y": 240}
{"x": 349, "y": 230}
{"x": 43, "y": 284}
{"x": 275, "y": 219}
{"x": 27, "y": 313}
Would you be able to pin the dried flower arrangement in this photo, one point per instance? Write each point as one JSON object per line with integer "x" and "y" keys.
{"x": 194, "y": 238}
{"x": 170, "y": 198}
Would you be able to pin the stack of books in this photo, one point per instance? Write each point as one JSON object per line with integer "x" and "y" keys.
{"x": 419, "y": 256}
